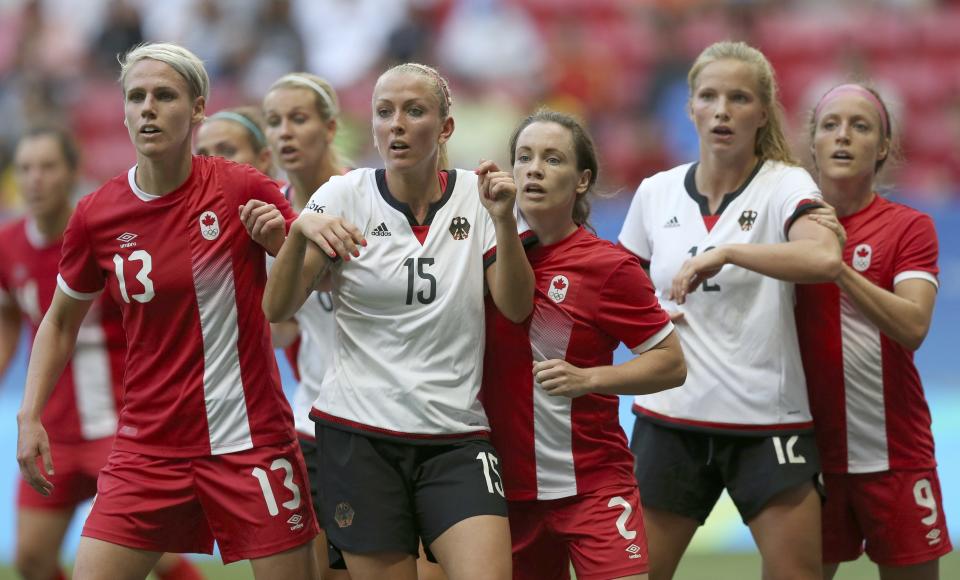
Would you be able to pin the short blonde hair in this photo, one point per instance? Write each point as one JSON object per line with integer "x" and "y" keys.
{"x": 770, "y": 142}
{"x": 187, "y": 65}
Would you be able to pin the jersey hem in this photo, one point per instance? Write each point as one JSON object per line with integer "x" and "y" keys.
{"x": 722, "y": 428}
{"x": 62, "y": 284}
{"x": 379, "y": 432}
{"x": 653, "y": 340}
{"x": 916, "y": 275}
{"x": 205, "y": 451}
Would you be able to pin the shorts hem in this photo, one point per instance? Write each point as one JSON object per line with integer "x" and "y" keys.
{"x": 447, "y": 525}
{"x": 613, "y": 573}
{"x": 774, "y": 492}
{"x": 141, "y": 544}
{"x": 265, "y": 551}
{"x": 51, "y": 506}
{"x": 914, "y": 559}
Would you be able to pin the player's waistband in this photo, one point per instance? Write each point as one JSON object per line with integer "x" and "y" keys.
{"x": 381, "y": 433}
{"x": 723, "y": 428}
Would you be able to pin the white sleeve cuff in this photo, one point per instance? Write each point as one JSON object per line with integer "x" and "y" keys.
{"x": 918, "y": 275}
{"x": 62, "y": 284}
{"x": 653, "y": 340}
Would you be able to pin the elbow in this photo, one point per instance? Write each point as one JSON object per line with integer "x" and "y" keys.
{"x": 913, "y": 338}
{"x": 677, "y": 375}
{"x": 831, "y": 265}
{"x": 519, "y": 314}
{"x": 271, "y": 310}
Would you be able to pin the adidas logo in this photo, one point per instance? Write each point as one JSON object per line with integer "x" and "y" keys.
{"x": 380, "y": 230}
{"x": 673, "y": 223}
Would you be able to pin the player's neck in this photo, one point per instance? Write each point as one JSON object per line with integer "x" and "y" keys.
{"x": 848, "y": 196}
{"x": 551, "y": 229}
{"x": 161, "y": 176}
{"x": 416, "y": 188}
{"x": 52, "y": 226}
{"x": 305, "y": 185}
{"x": 716, "y": 177}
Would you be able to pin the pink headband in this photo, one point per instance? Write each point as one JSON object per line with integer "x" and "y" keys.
{"x": 853, "y": 89}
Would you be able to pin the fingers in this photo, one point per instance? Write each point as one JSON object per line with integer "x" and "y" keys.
{"x": 675, "y": 315}
{"x": 247, "y": 208}
{"x": 486, "y": 166}
{"x": 31, "y": 472}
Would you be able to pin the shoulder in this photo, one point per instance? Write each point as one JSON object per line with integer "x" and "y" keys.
{"x": 907, "y": 218}
{"x": 792, "y": 176}
{"x": 108, "y": 194}
{"x": 605, "y": 257}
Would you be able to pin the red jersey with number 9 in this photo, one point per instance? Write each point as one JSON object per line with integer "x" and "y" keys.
{"x": 200, "y": 374}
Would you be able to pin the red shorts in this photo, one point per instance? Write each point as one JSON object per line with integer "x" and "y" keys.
{"x": 897, "y": 515}
{"x": 255, "y": 503}
{"x": 601, "y": 532}
{"x": 76, "y": 467}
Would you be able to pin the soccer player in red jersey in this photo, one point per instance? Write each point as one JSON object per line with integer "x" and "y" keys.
{"x": 402, "y": 436}
{"x": 857, "y": 337}
{"x": 725, "y": 243}
{"x": 550, "y": 388}
{"x": 82, "y": 411}
{"x": 205, "y": 448}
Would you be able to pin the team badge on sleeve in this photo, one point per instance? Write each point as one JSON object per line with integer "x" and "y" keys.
{"x": 746, "y": 220}
{"x": 558, "y": 288}
{"x": 209, "y": 225}
{"x": 459, "y": 228}
{"x": 861, "y": 257}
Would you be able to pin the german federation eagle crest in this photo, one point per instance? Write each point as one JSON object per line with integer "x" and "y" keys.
{"x": 459, "y": 228}
{"x": 746, "y": 220}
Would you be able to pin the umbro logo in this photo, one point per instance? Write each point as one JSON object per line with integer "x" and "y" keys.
{"x": 933, "y": 537}
{"x": 380, "y": 230}
{"x": 634, "y": 551}
{"x": 672, "y": 223}
{"x": 296, "y": 522}
{"x": 126, "y": 239}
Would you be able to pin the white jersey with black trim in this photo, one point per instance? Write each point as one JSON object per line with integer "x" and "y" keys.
{"x": 409, "y": 311}
{"x": 738, "y": 334}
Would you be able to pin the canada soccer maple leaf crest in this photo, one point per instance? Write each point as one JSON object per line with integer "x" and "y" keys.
{"x": 863, "y": 252}
{"x": 559, "y": 284}
{"x": 558, "y": 288}
{"x": 209, "y": 225}
{"x": 862, "y": 256}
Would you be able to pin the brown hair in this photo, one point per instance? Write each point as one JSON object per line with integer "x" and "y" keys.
{"x": 583, "y": 146}
{"x": 770, "y": 141}
{"x": 441, "y": 90}
{"x": 68, "y": 146}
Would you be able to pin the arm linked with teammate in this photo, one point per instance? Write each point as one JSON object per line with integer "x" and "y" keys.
{"x": 52, "y": 348}
{"x": 903, "y": 315}
{"x": 811, "y": 255}
{"x": 510, "y": 278}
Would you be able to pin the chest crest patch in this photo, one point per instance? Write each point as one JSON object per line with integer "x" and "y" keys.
{"x": 861, "y": 257}
{"x": 558, "y": 288}
{"x": 459, "y": 228}
{"x": 209, "y": 225}
{"x": 746, "y": 220}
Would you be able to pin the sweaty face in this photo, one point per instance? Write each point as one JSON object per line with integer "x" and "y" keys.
{"x": 297, "y": 134}
{"x": 545, "y": 171}
{"x": 848, "y": 139}
{"x": 44, "y": 176}
{"x": 227, "y": 139}
{"x": 726, "y": 108}
{"x": 407, "y": 127}
{"x": 159, "y": 111}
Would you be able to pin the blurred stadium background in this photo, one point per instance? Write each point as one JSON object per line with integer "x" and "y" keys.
{"x": 619, "y": 64}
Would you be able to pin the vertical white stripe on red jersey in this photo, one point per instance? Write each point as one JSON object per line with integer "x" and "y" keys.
{"x": 226, "y": 405}
{"x": 93, "y": 379}
{"x": 550, "y": 331}
{"x": 863, "y": 389}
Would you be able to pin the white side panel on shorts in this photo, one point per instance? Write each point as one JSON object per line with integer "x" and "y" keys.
{"x": 227, "y": 421}
{"x": 552, "y": 422}
{"x": 93, "y": 379}
{"x": 863, "y": 389}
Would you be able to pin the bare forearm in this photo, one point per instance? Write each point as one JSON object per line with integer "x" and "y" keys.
{"x": 288, "y": 285}
{"x": 512, "y": 280}
{"x": 903, "y": 320}
{"x": 52, "y": 349}
{"x": 658, "y": 369}
{"x": 9, "y": 337}
{"x": 802, "y": 261}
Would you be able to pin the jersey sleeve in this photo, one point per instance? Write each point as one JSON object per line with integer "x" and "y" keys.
{"x": 629, "y": 311}
{"x": 795, "y": 195}
{"x": 80, "y": 277}
{"x": 261, "y": 187}
{"x": 633, "y": 235}
{"x": 917, "y": 252}
{"x": 527, "y": 237}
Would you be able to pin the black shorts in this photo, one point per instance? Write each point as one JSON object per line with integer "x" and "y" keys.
{"x": 382, "y": 495}
{"x": 684, "y": 472}
{"x": 312, "y": 460}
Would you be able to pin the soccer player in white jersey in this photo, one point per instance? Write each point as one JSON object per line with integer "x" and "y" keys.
{"x": 205, "y": 448}
{"x": 549, "y": 385}
{"x": 725, "y": 237}
{"x": 857, "y": 337}
{"x": 82, "y": 411}
{"x": 403, "y": 440}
